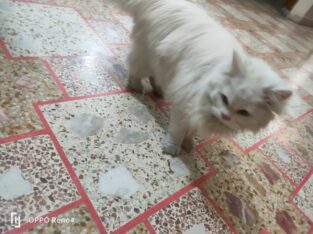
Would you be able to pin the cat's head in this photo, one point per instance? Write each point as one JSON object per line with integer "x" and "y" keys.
{"x": 248, "y": 95}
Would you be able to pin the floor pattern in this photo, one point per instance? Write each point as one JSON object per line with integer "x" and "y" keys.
{"x": 81, "y": 154}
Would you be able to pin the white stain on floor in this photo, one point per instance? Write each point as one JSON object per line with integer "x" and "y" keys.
{"x": 119, "y": 182}
{"x": 13, "y": 185}
{"x": 196, "y": 229}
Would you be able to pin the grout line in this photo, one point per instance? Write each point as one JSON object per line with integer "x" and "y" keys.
{"x": 57, "y": 81}
{"x": 216, "y": 208}
{"x": 149, "y": 226}
{"x": 23, "y": 135}
{"x": 71, "y": 171}
{"x": 145, "y": 215}
{"x": 284, "y": 175}
{"x": 297, "y": 190}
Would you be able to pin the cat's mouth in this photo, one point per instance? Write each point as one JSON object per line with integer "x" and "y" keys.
{"x": 218, "y": 122}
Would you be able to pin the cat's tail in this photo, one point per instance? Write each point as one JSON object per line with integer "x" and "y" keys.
{"x": 132, "y": 7}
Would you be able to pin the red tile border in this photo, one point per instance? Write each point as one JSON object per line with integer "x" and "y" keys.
{"x": 23, "y": 135}
{"x": 217, "y": 208}
{"x": 145, "y": 215}
{"x": 71, "y": 172}
{"x": 284, "y": 175}
{"x": 296, "y": 191}
{"x": 149, "y": 226}
{"x": 56, "y": 79}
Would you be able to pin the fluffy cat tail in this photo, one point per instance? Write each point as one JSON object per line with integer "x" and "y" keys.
{"x": 132, "y": 7}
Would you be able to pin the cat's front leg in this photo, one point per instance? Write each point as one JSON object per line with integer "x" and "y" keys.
{"x": 176, "y": 133}
{"x": 187, "y": 144}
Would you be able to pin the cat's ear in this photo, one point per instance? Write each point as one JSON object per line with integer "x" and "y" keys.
{"x": 237, "y": 64}
{"x": 274, "y": 97}
{"x": 282, "y": 94}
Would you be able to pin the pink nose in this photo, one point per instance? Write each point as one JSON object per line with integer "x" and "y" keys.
{"x": 225, "y": 117}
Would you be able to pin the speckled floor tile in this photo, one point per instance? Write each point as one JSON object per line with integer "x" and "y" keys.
{"x": 120, "y": 132}
{"x": 212, "y": 9}
{"x": 251, "y": 41}
{"x": 23, "y": 83}
{"x": 110, "y": 31}
{"x": 251, "y": 193}
{"x": 89, "y": 9}
{"x": 121, "y": 51}
{"x": 287, "y": 160}
{"x": 84, "y": 75}
{"x": 36, "y": 30}
{"x": 77, "y": 220}
{"x": 38, "y": 1}
{"x": 275, "y": 41}
{"x": 297, "y": 106}
{"x": 139, "y": 229}
{"x": 300, "y": 77}
{"x": 247, "y": 140}
{"x": 232, "y": 10}
{"x": 40, "y": 165}
{"x": 299, "y": 136}
{"x": 185, "y": 213}
{"x": 126, "y": 21}
{"x": 304, "y": 198}
{"x": 113, "y": 142}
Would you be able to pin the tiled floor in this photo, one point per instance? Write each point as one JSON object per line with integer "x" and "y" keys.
{"x": 81, "y": 154}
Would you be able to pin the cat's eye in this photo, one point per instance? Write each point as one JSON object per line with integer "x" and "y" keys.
{"x": 243, "y": 112}
{"x": 224, "y": 99}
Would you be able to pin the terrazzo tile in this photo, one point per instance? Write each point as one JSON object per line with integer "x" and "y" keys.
{"x": 121, "y": 51}
{"x": 40, "y": 165}
{"x": 104, "y": 10}
{"x": 300, "y": 138}
{"x": 281, "y": 60}
{"x": 140, "y": 153}
{"x": 248, "y": 139}
{"x": 249, "y": 40}
{"x": 232, "y": 10}
{"x": 100, "y": 136}
{"x": 212, "y": 9}
{"x": 37, "y": 1}
{"x": 139, "y": 229}
{"x": 245, "y": 193}
{"x": 110, "y": 31}
{"x": 304, "y": 198}
{"x": 126, "y": 21}
{"x": 89, "y": 9}
{"x": 77, "y": 220}
{"x": 288, "y": 161}
{"x": 84, "y": 75}
{"x": 301, "y": 78}
{"x": 257, "y": 17}
{"x": 188, "y": 211}
{"x": 297, "y": 106}
{"x": 275, "y": 41}
{"x": 36, "y": 30}
{"x": 23, "y": 83}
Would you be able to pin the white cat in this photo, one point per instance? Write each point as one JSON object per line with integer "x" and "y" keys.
{"x": 213, "y": 84}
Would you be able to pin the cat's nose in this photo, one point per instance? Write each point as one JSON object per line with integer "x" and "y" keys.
{"x": 225, "y": 117}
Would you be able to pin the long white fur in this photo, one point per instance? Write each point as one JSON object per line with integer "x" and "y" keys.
{"x": 193, "y": 60}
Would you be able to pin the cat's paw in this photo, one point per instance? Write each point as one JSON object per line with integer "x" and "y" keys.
{"x": 169, "y": 148}
{"x": 134, "y": 83}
